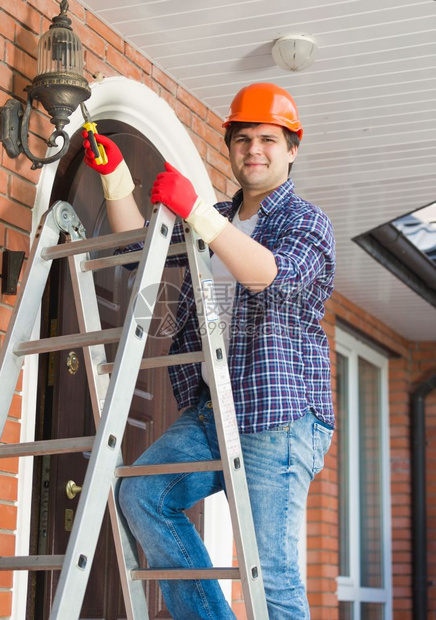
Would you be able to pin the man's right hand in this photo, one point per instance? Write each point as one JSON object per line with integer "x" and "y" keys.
{"x": 115, "y": 176}
{"x": 113, "y": 153}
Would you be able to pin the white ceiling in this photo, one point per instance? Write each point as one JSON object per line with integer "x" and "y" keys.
{"x": 368, "y": 108}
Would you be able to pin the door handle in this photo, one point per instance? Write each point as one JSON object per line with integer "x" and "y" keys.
{"x": 72, "y": 489}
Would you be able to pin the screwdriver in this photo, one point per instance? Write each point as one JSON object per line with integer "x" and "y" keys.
{"x": 91, "y": 128}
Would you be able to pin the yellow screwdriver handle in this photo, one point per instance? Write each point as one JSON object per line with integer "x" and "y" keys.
{"x": 97, "y": 149}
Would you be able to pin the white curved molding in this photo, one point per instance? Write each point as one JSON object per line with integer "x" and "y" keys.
{"x": 137, "y": 105}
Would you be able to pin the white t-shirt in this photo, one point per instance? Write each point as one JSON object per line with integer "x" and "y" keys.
{"x": 225, "y": 285}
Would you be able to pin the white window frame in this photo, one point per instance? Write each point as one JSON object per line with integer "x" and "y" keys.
{"x": 349, "y": 587}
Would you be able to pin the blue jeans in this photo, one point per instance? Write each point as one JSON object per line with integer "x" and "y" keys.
{"x": 280, "y": 465}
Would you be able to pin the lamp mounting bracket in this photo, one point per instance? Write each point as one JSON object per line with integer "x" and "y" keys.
{"x": 11, "y": 115}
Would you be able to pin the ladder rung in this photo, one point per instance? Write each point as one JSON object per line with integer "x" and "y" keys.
{"x": 49, "y": 446}
{"x": 159, "y": 361}
{"x": 59, "y": 343}
{"x": 168, "y": 468}
{"x": 32, "y": 562}
{"x": 92, "y": 245}
{"x": 94, "y": 264}
{"x": 185, "y": 573}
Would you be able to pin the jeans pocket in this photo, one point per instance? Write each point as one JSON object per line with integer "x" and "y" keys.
{"x": 322, "y": 438}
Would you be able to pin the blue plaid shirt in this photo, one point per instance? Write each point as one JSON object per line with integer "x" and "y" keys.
{"x": 279, "y": 354}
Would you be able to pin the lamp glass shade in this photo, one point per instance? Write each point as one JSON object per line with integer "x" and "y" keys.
{"x": 60, "y": 51}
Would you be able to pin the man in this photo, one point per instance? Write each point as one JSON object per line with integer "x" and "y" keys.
{"x": 275, "y": 253}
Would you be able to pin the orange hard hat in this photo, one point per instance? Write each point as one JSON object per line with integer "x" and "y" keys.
{"x": 265, "y": 103}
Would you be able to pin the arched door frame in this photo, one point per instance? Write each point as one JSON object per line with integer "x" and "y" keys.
{"x": 133, "y": 103}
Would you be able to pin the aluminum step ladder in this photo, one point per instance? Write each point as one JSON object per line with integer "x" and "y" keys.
{"x": 111, "y": 387}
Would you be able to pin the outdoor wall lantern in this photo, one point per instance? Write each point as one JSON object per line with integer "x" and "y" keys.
{"x": 59, "y": 86}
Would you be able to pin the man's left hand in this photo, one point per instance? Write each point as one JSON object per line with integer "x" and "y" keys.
{"x": 175, "y": 191}
{"x": 178, "y": 194}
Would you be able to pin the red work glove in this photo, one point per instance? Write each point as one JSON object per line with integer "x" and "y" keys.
{"x": 115, "y": 176}
{"x": 175, "y": 191}
{"x": 113, "y": 153}
{"x": 178, "y": 193}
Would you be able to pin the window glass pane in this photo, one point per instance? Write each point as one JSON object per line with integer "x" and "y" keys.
{"x": 342, "y": 380}
{"x": 372, "y": 611}
{"x": 345, "y": 610}
{"x": 370, "y": 468}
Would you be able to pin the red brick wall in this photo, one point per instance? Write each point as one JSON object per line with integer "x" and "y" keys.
{"x": 413, "y": 365}
{"x": 106, "y": 54}
{"x": 20, "y": 26}
{"x": 399, "y": 377}
{"x": 322, "y": 520}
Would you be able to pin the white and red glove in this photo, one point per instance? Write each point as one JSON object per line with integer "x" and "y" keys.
{"x": 178, "y": 193}
{"x": 115, "y": 176}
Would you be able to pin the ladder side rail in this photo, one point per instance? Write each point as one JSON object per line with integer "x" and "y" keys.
{"x": 227, "y": 429}
{"x": 99, "y": 476}
{"x": 88, "y": 316}
{"x": 25, "y": 312}
{"x": 126, "y": 550}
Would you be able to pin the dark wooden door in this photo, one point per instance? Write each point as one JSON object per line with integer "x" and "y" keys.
{"x": 66, "y": 409}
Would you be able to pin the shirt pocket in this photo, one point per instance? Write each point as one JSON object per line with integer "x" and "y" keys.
{"x": 322, "y": 438}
